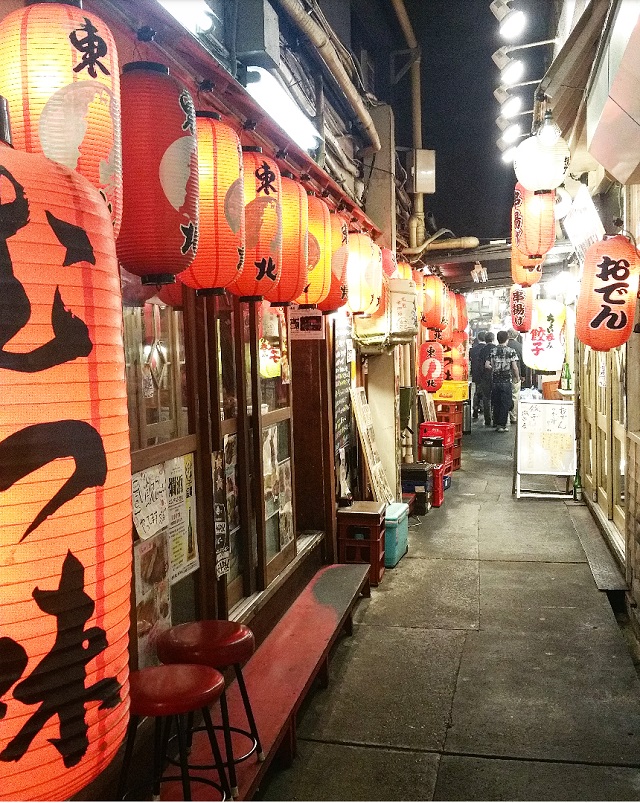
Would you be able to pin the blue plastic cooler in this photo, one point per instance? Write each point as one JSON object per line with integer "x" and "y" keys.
{"x": 396, "y": 533}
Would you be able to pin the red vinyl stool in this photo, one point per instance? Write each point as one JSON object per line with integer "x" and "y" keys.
{"x": 168, "y": 692}
{"x": 219, "y": 644}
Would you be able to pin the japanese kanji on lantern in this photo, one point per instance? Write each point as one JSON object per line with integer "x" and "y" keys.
{"x": 433, "y": 302}
{"x": 295, "y": 243}
{"x": 524, "y": 271}
{"x": 263, "y": 226}
{"x": 338, "y": 290}
{"x": 534, "y": 221}
{"x": 431, "y": 366}
{"x": 543, "y": 345}
{"x": 159, "y": 233}
{"x": 521, "y": 305}
{"x": 60, "y": 76}
{"x": 65, "y": 483}
{"x": 319, "y": 277}
{"x": 607, "y": 302}
{"x": 220, "y": 255}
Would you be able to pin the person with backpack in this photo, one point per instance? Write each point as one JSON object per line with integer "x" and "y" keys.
{"x": 503, "y": 366}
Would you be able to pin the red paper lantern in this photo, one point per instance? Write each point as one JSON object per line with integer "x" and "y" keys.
{"x": 461, "y": 309}
{"x": 338, "y": 291}
{"x": 450, "y": 316}
{"x": 534, "y": 221}
{"x": 364, "y": 274}
{"x": 524, "y": 271}
{"x": 319, "y": 277}
{"x": 220, "y": 255}
{"x": 404, "y": 269}
{"x": 171, "y": 294}
{"x": 159, "y": 233}
{"x": 61, "y": 78}
{"x": 521, "y": 303}
{"x": 389, "y": 263}
{"x": 433, "y": 302}
{"x": 459, "y": 341}
{"x": 65, "y": 484}
{"x": 263, "y": 226}
{"x": 607, "y": 302}
{"x": 295, "y": 243}
{"x": 431, "y": 366}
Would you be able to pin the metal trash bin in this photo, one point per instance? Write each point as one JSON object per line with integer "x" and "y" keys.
{"x": 466, "y": 417}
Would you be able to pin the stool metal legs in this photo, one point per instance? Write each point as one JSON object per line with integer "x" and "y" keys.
{"x": 247, "y": 706}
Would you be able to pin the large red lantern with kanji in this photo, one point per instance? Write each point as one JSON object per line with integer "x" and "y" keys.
{"x": 65, "y": 484}
{"x": 159, "y": 233}
{"x": 364, "y": 274}
{"x": 521, "y": 304}
{"x": 220, "y": 255}
{"x": 61, "y": 79}
{"x": 524, "y": 271}
{"x": 433, "y": 302}
{"x": 534, "y": 221}
{"x": 295, "y": 243}
{"x": 263, "y": 226}
{"x": 338, "y": 291}
{"x": 607, "y": 302}
{"x": 431, "y": 366}
{"x": 319, "y": 276}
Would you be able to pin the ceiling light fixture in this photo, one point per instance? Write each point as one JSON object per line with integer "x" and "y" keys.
{"x": 512, "y": 22}
{"x": 510, "y": 131}
{"x": 548, "y": 133}
{"x": 512, "y": 70}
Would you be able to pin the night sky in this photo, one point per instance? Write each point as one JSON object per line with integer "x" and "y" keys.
{"x": 474, "y": 188}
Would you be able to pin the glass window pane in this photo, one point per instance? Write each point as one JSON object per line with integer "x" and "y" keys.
{"x": 226, "y": 358}
{"x": 275, "y": 376}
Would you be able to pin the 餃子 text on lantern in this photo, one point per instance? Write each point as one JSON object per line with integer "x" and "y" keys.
{"x": 534, "y": 221}
{"x": 606, "y": 305}
{"x": 543, "y": 346}
{"x": 65, "y": 484}
{"x": 338, "y": 292}
{"x": 61, "y": 79}
{"x": 220, "y": 255}
{"x": 263, "y": 226}
{"x": 319, "y": 276}
{"x": 431, "y": 366}
{"x": 521, "y": 305}
{"x": 159, "y": 232}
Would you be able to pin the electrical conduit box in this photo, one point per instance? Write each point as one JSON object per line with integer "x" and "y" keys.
{"x": 421, "y": 171}
{"x": 258, "y": 42}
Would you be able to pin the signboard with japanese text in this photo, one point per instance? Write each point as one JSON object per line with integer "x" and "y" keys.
{"x": 182, "y": 517}
{"x": 150, "y": 507}
{"x": 546, "y": 438}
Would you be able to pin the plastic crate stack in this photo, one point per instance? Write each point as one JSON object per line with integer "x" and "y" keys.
{"x": 452, "y": 413}
{"x": 446, "y": 431}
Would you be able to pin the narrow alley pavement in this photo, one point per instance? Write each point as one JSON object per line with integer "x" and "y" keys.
{"x": 486, "y": 666}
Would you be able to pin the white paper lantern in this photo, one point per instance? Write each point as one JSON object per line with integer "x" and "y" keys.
{"x": 540, "y": 167}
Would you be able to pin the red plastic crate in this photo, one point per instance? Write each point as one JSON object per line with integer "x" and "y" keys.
{"x": 448, "y": 468}
{"x": 438, "y": 429}
{"x": 456, "y": 463}
{"x": 437, "y": 493}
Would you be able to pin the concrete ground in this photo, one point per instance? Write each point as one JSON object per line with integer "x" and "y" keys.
{"x": 486, "y": 666}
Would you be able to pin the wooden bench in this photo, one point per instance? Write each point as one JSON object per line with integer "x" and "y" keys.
{"x": 283, "y": 669}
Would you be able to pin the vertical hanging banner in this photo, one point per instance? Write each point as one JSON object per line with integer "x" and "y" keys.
{"x": 222, "y": 546}
{"x": 182, "y": 517}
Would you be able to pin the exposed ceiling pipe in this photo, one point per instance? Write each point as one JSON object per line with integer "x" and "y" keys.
{"x": 416, "y": 221}
{"x": 433, "y": 243}
{"x": 327, "y": 52}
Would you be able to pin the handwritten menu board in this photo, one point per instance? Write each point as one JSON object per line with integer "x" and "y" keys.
{"x": 546, "y": 438}
{"x": 342, "y": 384}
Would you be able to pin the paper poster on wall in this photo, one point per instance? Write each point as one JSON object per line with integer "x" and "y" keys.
{"x": 222, "y": 547}
{"x": 182, "y": 517}
{"x": 149, "y": 496}
{"x": 286, "y": 504}
{"x": 270, "y": 470}
{"x": 306, "y": 324}
{"x": 231, "y": 500}
{"x": 546, "y": 438}
{"x": 153, "y": 609}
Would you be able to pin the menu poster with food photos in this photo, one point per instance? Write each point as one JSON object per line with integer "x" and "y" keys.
{"x": 153, "y": 608}
{"x": 182, "y": 516}
{"x": 149, "y": 496}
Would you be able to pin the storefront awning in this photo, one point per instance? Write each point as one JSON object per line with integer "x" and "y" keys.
{"x": 565, "y": 81}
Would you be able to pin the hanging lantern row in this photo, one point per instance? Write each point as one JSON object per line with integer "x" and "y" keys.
{"x": 606, "y": 306}
{"x": 524, "y": 271}
{"x": 338, "y": 294}
{"x": 431, "y": 366}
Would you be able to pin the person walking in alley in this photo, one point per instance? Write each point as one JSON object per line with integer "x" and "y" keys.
{"x": 516, "y": 345}
{"x": 477, "y": 369}
{"x": 485, "y": 377}
{"x": 502, "y": 366}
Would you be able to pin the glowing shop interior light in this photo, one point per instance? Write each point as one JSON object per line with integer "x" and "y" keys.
{"x": 194, "y": 15}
